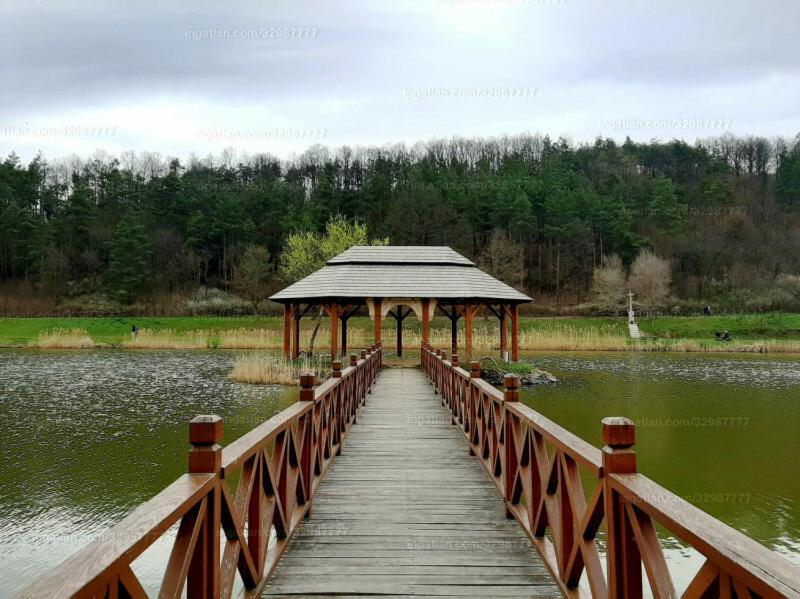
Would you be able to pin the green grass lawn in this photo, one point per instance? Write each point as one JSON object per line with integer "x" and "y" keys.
{"x": 113, "y": 330}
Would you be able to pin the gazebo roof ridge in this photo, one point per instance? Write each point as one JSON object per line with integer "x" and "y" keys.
{"x": 401, "y": 254}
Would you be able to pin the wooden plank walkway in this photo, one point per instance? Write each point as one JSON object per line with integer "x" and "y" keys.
{"x": 405, "y": 512}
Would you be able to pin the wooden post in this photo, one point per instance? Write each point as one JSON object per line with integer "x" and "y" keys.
{"x": 344, "y": 334}
{"x": 296, "y": 340}
{"x": 203, "y": 578}
{"x": 454, "y": 330}
{"x": 474, "y": 369}
{"x": 398, "y": 315}
{"x": 353, "y": 360}
{"x": 510, "y": 395}
{"x": 454, "y": 360}
{"x": 378, "y": 317}
{"x": 307, "y": 380}
{"x": 469, "y": 312}
{"x": 287, "y": 331}
{"x": 337, "y": 369}
{"x": 624, "y": 559}
{"x": 426, "y": 320}
{"x": 503, "y": 340}
{"x": 515, "y": 332}
{"x": 334, "y": 311}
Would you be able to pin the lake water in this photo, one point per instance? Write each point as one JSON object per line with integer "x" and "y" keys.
{"x": 90, "y": 435}
{"x": 723, "y": 432}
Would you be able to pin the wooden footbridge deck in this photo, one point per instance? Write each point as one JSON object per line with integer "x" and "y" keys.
{"x": 390, "y": 519}
{"x": 454, "y": 489}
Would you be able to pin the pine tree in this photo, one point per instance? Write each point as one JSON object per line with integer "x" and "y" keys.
{"x": 129, "y": 270}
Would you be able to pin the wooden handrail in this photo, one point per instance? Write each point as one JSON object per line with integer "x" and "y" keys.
{"x": 278, "y": 467}
{"x": 536, "y": 466}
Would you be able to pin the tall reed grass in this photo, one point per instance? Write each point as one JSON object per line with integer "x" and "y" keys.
{"x": 267, "y": 369}
{"x": 552, "y": 337}
{"x": 63, "y": 339}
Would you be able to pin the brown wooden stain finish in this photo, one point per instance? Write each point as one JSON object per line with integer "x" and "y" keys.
{"x": 536, "y": 465}
{"x": 279, "y": 466}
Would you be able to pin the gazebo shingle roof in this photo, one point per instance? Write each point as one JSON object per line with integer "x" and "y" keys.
{"x": 400, "y": 272}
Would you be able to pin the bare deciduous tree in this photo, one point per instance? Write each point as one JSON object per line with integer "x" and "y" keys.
{"x": 650, "y": 279}
{"x": 608, "y": 284}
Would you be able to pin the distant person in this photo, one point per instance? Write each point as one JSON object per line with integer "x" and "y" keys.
{"x": 134, "y": 331}
{"x": 707, "y": 311}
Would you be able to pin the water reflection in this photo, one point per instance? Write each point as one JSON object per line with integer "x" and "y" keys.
{"x": 90, "y": 435}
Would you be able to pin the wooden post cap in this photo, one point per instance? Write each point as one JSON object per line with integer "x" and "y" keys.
{"x": 444, "y": 355}
{"x": 353, "y": 360}
{"x": 619, "y": 432}
{"x": 438, "y": 353}
{"x": 307, "y": 380}
{"x": 454, "y": 359}
{"x": 511, "y": 384}
{"x": 337, "y": 369}
{"x": 474, "y": 370}
{"x": 363, "y": 354}
{"x": 205, "y": 430}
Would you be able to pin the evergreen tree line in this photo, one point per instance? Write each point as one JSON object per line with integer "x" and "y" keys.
{"x": 539, "y": 213}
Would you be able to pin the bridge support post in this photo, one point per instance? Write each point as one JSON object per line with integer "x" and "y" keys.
{"x": 624, "y": 558}
{"x": 203, "y": 578}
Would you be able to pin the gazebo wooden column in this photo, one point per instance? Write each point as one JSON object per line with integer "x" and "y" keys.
{"x": 515, "y": 332}
{"x": 400, "y": 316}
{"x": 333, "y": 310}
{"x": 469, "y": 315}
{"x": 344, "y": 315}
{"x": 296, "y": 331}
{"x": 287, "y": 331}
{"x": 378, "y": 317}
{"x": 426, "y": 320}
{"x": 453, "y": 315}
{"x": 503, "y": 338}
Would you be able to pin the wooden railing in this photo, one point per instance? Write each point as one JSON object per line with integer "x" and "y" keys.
{"x": 539, "y": 468}
{"x": 277, "y": 468}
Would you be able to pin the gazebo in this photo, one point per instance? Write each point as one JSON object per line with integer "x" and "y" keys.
{"x": 394, "y": 281}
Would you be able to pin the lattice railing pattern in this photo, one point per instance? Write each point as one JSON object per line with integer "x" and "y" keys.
{"x": 540, "y": 469}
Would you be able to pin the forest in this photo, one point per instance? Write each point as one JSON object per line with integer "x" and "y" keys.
{"x": 152, "y": 234}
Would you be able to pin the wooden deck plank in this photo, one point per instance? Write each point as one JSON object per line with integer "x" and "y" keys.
{"x": 404, "y": 511}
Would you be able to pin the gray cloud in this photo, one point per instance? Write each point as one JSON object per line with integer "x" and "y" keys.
{"x": 161, "y": 73}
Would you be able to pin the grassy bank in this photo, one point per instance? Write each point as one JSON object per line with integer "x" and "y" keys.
{"x": 751, "y": 333}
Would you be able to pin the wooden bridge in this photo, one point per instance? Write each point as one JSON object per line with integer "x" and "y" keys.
{"x": 454, "y": 489}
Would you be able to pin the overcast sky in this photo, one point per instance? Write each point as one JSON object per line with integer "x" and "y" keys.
{"x": 275, "y": 76}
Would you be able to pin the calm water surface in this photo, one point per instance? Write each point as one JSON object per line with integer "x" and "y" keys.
{"x": 723, "y": 432}
{"x": 87, "y": 436}
{"x": 90, "y": 435}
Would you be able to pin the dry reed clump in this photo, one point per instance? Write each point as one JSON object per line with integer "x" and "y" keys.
{"x": 270, "y": 369}
{"x": 63, "y": 339}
